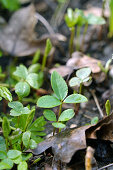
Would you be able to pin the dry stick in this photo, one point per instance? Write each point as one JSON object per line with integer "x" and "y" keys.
{"x": 97, "y": 104}
{"x": 89, "y": 157}
{"x": 106, "y": 166}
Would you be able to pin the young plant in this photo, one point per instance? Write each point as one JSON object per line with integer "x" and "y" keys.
{"x": 60, "y": 89}
{"x": 108, "y": 107}
{"x": 10, "y": 5}
{"x": 72, "y": 18}
{"x": 78, "y": 18}
{"x": 94, "y": 120}
{"x": 82, "y": 78}
{"x": 28, "y": 78}
{"x": 20, "y": 133}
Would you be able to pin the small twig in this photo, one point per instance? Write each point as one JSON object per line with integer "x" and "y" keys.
{"x": 88, "y": 158}
{"x": 97, "y": 103}
{"x": 106, "y": 166}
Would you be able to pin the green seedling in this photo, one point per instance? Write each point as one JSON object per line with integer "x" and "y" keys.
{"x": 78, "y": 18}
{"x": 108, "y": 107}
{"x": 60, "y": 89}
{"x": 46, "y": 53}
{"x": 19, "y": 134}
{"x": 110, "y": 34}
{"x": 28, "y": 78}
{"x": 106, "y": 68}
{"x": 36, "y": 57}
{"x": 82, "y": 77}
{"x": 2, "y": 75}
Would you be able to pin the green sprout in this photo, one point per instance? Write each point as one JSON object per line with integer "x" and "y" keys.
{"x": 106, "y": 68}
{"x": 108, "y": 107}
{"x": 110, "y": 34}
{"x": 60, "y": 89}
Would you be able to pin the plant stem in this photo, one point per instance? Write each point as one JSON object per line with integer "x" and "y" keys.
{"x": 60, "y": 109}
{"x": 80, "y": 89}
{"x": 84, "y": 34}
{"x": 78, "y": 105}
{"x": 78, "y": 38}
{"x": 71, "y": 41}
{"x": 44, "y": 62}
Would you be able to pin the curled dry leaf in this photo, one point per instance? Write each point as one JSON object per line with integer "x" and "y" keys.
{"x": 65, "y": 144}
{"x": 18, "y": 37}
{"x": 68, "y": 142}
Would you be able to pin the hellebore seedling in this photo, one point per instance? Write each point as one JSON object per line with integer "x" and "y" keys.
{"x": 60, "y": 89}
{"x": 108, "y": 107}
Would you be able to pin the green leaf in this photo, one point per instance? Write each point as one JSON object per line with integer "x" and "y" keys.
{"x": 70, "y": 18}
{"x": 83, "y": 73}
{"x": 2, "y": 144}
{"x": 58, "y": 125}
{"x": 27, "y": 156}
{"x": 38, "y": 123}
{"x": 22, "y": 89}
{"x": 75, "y": 81}
{"x": 18, "y": 159}
{"x": 21, "y": 71}
{"x": 75, "y": 98}
{"x": 22, "y": 166}
{"x": 3, "y": 155}
{"x": 18, "y": 109}
{"x": 32, "y": 144}
{"x": 12, "y": 154}
{"x": 34, "y": 68}
{"x": 10, "y": 5}
{"x": 37, "y": 139}
{"x": 9, "y": 162}
{"x": 26, "y": 138}
{"x": 49, "y": 115}
{"x": 48, "y": 102}
{"x": 48, "y": 47}
{"x": 4, "y": 165}
{"x": 66, "y": 115}
{"x": 108, "y": 107}
{"x": 6, "y": 127}
{"x": 30, "y": 118}
{"x": 95, "y": 20}
{"x": 5, "y": 93}
{"x": 32, "y": 80}
{"x": 0, "y": 98}
{"x": 59, "y": 85}
{"x": 94, "y": 120}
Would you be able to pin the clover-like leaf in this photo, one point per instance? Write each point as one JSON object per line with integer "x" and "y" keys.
{"x": 9, "y": 162}
{"x": 34, "y": 68}
{"x": 18, "y": 109}
{"x": 12, "y": 154}
{"x": 22, "y": 89}
{"x": 66, "y": 115}
{"x": 21, "y": 71}
{"x": 58, "y": 125}
{"x": 26, "y": 138}
{"x": 49, "y": 115}
{"x": 22, "y": 166}
{"x": 32, "y": 80}
{"x": 75, "y": 98}
{"x": 83, "y": 73}
{"x": 5, "y": 93}
{"x": 59, "y": 85}
{"x": 75, "y": 81}
{"x": 48, "y": 102}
